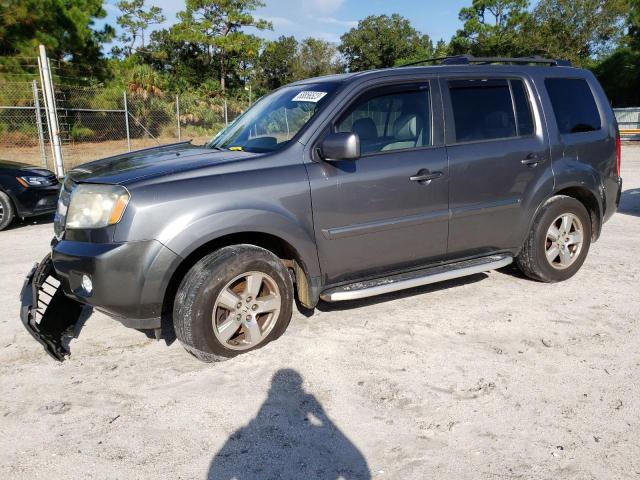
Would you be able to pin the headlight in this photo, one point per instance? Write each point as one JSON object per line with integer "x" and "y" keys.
{"x": 35, "y": 181}
{"x": 96, "y": 206}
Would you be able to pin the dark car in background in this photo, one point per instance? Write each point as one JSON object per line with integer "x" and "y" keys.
{"x": 26, "y": 191}
{"x": 336, "y": 188}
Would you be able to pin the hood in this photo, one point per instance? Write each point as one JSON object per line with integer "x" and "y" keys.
{"x": 151, "y": 162}
{"x": 24, "y": 168}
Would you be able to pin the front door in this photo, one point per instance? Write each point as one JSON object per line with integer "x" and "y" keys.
{"x": 381, "y": 212}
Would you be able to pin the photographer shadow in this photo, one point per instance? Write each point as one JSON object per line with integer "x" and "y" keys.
{"x": 290, "y": 437}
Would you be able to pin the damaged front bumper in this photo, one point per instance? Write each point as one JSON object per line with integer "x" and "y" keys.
{"x": 46, "y": 312}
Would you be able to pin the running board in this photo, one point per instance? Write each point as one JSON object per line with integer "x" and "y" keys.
{"x": 416, "y": 278}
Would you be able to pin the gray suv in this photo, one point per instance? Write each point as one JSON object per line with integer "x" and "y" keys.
{"x": 335, "y": 188}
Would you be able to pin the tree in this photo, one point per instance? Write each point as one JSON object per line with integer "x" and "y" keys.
{"x": 441, "y": 49}
{"x": 491, "y": 28}
{"x": 576, "y": 30}
{"x": 218, "y": 24}
{"x": 135, "y": 20}
{"x": 315, "y": 58}
{"x": 65, "y": 27}
{"x": 185, "y": 63}
{"x": 276, "y": 62}
{"x": 382, "y": 41}
{"x": 619, "y": 73}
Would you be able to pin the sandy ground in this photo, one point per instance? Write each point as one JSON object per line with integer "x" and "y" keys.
{"x": 489, "y": 377}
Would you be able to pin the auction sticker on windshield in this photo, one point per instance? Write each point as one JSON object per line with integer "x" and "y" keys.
{"x": 308, "y": 96}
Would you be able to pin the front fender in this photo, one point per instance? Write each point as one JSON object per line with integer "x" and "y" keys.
{"x": 185, "y": 235}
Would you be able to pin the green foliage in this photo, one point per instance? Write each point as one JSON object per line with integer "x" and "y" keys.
{"x": 576, "y": 30}
{"x": 64, "y": 27}
{"x": 217, "y": 26}
{"x": 276, "y": 62}
{"x": 144, "y": 81}
{"x": 78, "y": 132}
{"x": 381, "y": 41}
{"x": 491, "y": 28}
{"x": 619, "y": 73}
{"x": 135, "y": 20}
{"x": 315, "y": 58}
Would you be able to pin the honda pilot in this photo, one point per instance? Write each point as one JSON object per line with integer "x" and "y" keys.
{"x": 335, "y": 188}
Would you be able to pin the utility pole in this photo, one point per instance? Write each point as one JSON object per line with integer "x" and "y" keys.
{"x": 36, "y": 105}
{"x": 178, "y": 117}
{"x": 50, "y": 106}
{"x": 126, "y": 119}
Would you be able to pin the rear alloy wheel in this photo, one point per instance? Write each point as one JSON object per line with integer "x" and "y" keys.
{"x": 233, "y": 300}
{"x": 558, "y": 242}
{"x": 563, "y": 244}
{"x": 6, "y": 211}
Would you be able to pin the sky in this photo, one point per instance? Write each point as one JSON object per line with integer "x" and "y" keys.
{"x": 328, "y": 19}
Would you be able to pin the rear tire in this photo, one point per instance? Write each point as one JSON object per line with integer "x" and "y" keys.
{"x": 558, "y": 242}
{"x": 7, "y": 211}
{"x": 234, "y": 300}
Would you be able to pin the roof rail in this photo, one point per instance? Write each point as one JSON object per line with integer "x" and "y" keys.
{"x": 469, "y": 59}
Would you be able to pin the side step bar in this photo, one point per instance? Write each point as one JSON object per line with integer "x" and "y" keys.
{"x": 416, "y": 278}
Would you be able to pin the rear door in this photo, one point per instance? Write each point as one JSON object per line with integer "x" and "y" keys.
{"x": 499, "y": 161}
{"x": 372, "y": 215}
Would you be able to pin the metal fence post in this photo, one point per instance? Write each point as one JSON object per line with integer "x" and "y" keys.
{"x": 178, "y": 117}
{"x": 36, "y": 104}
{"x": 50, "y": 105}
{"x": 126, "y": 119}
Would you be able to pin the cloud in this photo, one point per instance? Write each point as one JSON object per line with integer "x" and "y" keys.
{"x": 325, "y": 6}
{"x": 327, "y": 37}
{"x": 335, "y": 21}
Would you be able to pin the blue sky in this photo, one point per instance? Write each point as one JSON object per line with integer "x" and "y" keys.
{"x": 328, "y": 19}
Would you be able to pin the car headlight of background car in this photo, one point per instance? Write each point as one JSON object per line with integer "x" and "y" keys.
{"x": 36, "y": 181}
{"x": 96, "y": 206}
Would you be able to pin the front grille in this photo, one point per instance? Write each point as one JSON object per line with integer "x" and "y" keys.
{"x": 60, "y": 219}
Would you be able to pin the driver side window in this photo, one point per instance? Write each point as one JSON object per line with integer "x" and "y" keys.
{"x": 390, "y": 119}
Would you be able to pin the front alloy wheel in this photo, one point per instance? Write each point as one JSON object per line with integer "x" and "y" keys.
{"x": 246, "y": 310}
{"x": 233, "y": 300}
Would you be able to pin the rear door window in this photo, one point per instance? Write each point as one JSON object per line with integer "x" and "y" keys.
{"x": 573, "y": 105}
{"x": 482, "y": 109}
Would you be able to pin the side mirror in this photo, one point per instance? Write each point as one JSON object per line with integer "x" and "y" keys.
{"x": 340, "y": 146}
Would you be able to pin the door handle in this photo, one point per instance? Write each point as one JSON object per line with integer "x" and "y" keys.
{"x": 424, "y": 177}
{"x": 532, "y": 160}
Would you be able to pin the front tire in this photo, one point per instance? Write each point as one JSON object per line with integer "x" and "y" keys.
{"x": 232, "y": 301}
{"x": 6, "y": 211}
{"x": 558, "y": 242}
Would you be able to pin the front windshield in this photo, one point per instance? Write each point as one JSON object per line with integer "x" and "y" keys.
{"x": 274, "y": 119}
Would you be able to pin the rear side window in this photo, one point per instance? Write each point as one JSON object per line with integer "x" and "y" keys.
{"x": 523, "y": 108}
{"x": 573, "y": 105}
{"x": 486, "y": 109}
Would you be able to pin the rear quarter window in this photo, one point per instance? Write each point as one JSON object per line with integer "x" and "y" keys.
{"x": 573, "y": 104}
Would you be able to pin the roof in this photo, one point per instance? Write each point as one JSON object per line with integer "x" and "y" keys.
{"x": 457, "y": 64}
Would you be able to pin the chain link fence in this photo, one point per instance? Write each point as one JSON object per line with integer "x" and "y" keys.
{"x": 98, "y": 121}
{"x": 23, "y": 135}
